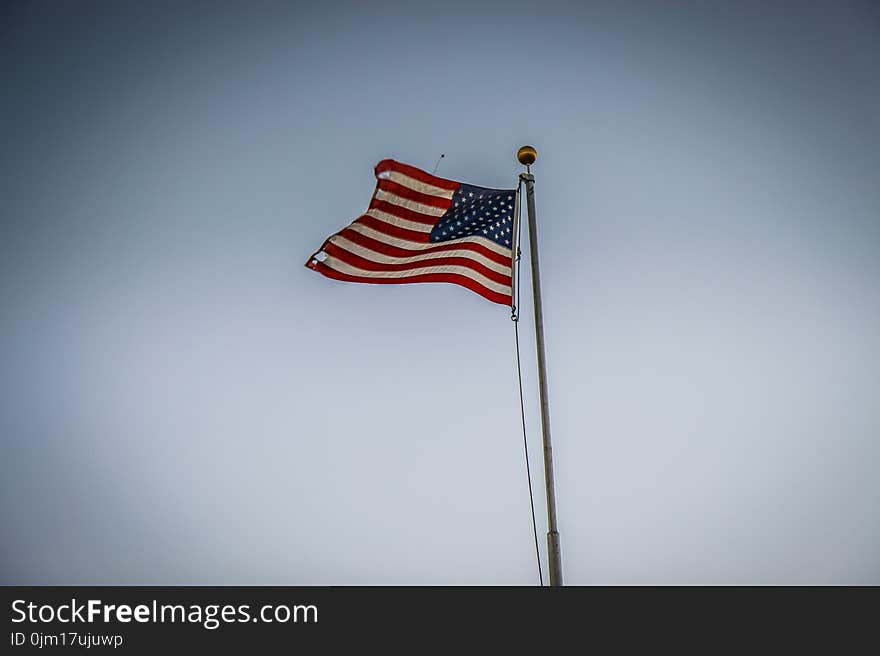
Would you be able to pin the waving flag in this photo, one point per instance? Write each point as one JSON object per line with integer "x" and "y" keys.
{"x": 421, "y": 228}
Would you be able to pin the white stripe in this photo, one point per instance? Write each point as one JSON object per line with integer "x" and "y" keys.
{"x": 385, "y": 217}
{"x": 338, "y": 265}
{"x": 369, "y": 254}
{"x": 413, "y": 205}
{"x": 417, "y": 246}
{"x": 416, "y": 185}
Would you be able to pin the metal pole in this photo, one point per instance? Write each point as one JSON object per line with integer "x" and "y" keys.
{"x": 527, "y": 156}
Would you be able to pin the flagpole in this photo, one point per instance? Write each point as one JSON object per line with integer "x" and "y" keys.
{"x": 527, "y": 156}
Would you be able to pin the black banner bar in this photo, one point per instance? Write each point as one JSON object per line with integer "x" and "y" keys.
{"x": 179, "y": 619}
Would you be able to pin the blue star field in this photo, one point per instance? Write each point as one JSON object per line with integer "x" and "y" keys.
{"x": 479, "y": 212}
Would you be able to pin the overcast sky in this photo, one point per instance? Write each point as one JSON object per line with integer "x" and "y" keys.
{"x": 184, "y": 403}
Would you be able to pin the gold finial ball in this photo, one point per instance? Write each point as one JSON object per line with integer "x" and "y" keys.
{"x": 527, "y": 155}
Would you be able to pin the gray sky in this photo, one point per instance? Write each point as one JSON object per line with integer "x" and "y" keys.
{"x": 183, "y": 402}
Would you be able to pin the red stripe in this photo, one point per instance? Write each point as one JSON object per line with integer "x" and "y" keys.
{"x": 369, "y": 265}
{"x": 402, "y": 212}
{"x": 396, "y": 251}
{"x": 453, "y": 278}
{"x": 405, "y": 192}
{"x": 394, "y": 231}
{"x": 415, "y": 174}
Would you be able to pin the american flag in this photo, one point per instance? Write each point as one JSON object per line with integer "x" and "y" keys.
{"x": 421, "y": 228}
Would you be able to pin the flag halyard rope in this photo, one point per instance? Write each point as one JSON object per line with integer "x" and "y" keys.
{"x": 514, "y": 316}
